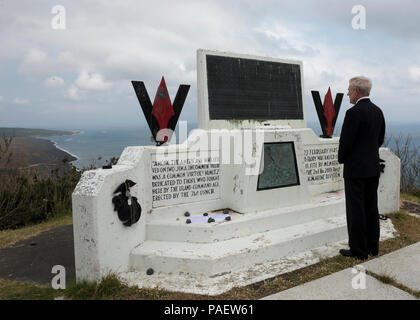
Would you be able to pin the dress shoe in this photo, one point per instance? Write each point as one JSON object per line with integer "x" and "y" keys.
{"x": 348, "y": 253}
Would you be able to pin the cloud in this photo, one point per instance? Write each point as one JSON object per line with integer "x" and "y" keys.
{"x": 1, "y": 99}
{"x": 162, "y": 42}
{"x": 285, "y": 39}
{"x": 93, "y": 81}
{"x": 33, "y": 61}
{"x": 73, "y": 93}
{"x": 37, "y": 62}
{"x": 53, "y": 82}
{"x": 20, "y": 101}
{"x": 414, "y": 73}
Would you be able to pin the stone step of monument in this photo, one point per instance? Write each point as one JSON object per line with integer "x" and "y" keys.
{"x": 240, "y": 225}
{"x": 216, "y": 258}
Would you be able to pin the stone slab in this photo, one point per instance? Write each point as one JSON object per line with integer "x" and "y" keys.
{"x": 246, "y": 89}
{"x": 201, "y": 284}
{"x": 339, "y": 286}
{"x": 402, "y": 265}
{"x": 177, "y": 230}
{"x": 262, "y": 82}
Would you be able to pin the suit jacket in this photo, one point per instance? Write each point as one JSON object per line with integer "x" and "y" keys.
{"x": 362, "y": 134}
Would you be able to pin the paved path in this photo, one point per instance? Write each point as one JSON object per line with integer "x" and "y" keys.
{"x": 402, "y": 265}
{"x": 32, "y": 259}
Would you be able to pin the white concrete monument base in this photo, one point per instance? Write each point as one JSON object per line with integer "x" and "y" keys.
{"x": 210, "y": 258}
{"x": 200, "y": 283}
{"x": 281, "y": 185}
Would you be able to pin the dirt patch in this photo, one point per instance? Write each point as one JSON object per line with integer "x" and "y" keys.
{"x": 411, "y": 207}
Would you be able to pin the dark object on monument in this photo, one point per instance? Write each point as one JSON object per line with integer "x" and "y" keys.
{"x": 162, "y": 116}
{"x": 188, "y": 221}
{"x": 129, "y": 210}
{"x": 278, "y": 172}
{"x": 187, "y": 214}
{"x": 327, "y": 112}
{"x": 210, "y": 220}
{"x": 226, "y": 211}
{"x": 150, "y": 271}
{"x": 108, "y": 166}
{"x": 228, "y": 218}
{"x": 243, "y": 89}
{"x": 205, "y": 214}
{"x": 382, "y": 165}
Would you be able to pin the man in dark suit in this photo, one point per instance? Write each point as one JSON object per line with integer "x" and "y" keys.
{"x": 362, "y": 134}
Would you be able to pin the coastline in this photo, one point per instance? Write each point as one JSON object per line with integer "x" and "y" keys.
{"x": 76, "y": 157}
{"x": 35, "y": 148}
{"x": 56, "y": 152}
{"x": 36, "y": 152}
{"x": 62, "y": 149}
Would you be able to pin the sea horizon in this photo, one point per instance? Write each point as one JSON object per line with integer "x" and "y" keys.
{"x": 96, "y": 146}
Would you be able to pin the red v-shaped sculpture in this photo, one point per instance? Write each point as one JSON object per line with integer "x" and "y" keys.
{"x": 162, "y": 107}
{"x": 327, "y": 112}
{"x": 162, "y": 114}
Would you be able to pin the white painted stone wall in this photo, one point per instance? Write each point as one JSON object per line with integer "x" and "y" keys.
{"x": 389, "y": 183}
{"x": 102, "y": 243}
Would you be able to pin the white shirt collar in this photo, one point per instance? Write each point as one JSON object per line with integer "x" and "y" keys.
{"x": 367, "y": 97}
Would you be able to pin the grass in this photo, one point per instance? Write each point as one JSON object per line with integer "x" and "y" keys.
{"x": 110, "y": 287}
{"x": 13, "y": 290}
{"x": 390, "y": 281}
{"x": 411, "y": 196}
{"x": 10, "y": 237}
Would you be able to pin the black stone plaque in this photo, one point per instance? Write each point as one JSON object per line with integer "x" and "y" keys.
{"x": 241, "y": 89}
{"x": 280, "y": 167}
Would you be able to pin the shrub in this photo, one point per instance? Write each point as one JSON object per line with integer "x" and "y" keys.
{"x": 409, "y": 155}
{"x": 27, "y": 199}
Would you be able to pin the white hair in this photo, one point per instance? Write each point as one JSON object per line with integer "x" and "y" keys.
{"x": 362, "y": 83}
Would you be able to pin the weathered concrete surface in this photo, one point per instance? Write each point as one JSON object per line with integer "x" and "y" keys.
{"x": 201, "y": 284}
{"x": 32, "y": 259}
{"x": 339, "y": 286}
{"x": 402, "y": 265}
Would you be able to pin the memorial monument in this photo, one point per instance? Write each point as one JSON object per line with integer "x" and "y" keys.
{"x": 252, "y": 193}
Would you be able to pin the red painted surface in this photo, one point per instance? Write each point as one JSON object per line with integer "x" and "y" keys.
{"x": 162, "y": 106}
{"x": 329, "y": 112}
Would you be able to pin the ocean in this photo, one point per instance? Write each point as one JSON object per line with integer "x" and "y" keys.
{"x": 96, "y": 146}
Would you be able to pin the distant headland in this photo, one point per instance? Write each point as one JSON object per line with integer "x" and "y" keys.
{"x": 29, "y": 150}
{"x": 28, "y": 132}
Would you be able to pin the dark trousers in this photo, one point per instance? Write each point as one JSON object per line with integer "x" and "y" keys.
{"x": 362, "y": 214}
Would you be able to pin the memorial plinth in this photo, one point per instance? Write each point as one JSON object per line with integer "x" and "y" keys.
{"x": 279, "y": 183}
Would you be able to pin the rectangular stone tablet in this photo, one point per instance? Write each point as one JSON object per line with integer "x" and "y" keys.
{"x": 240, "y": 88}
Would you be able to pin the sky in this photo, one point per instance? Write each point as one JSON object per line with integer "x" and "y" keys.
{"x": 76, "y": 72}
